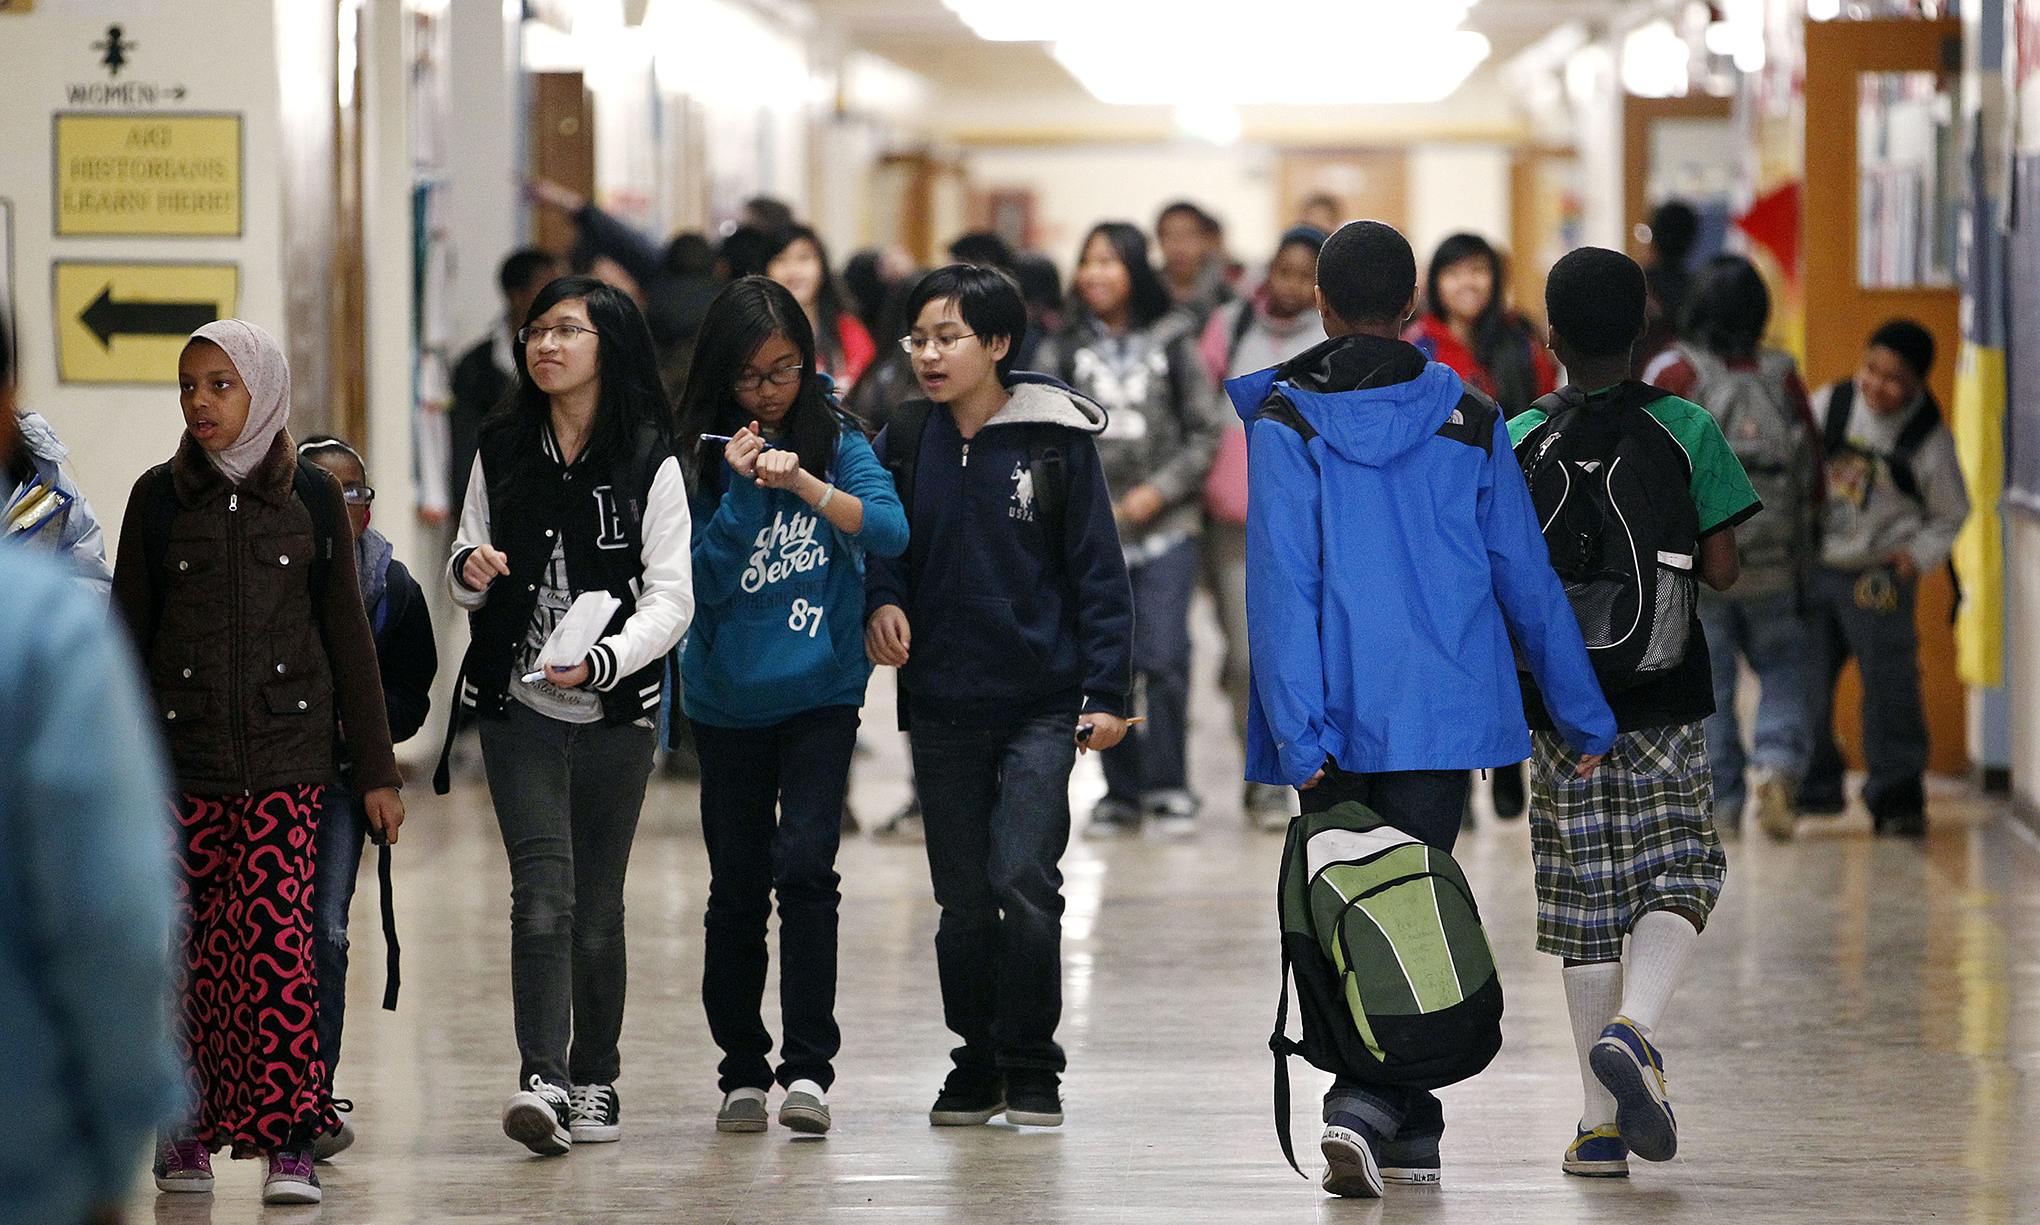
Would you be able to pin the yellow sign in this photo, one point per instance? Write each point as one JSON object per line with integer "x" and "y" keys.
{"x": 126, "y": 323}
{"x": 147, "y": 173}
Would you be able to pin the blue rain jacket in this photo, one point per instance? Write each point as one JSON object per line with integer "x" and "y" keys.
{"x": 1392, "y": 550}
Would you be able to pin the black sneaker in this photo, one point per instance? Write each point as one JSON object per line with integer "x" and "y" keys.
{"x": 1352, "y": 1168}
{"x": 594, "y": 1114}
{"x": 968, "y": 1099}
{"x": 1034, "y": 1099}
{"x": 538, "y": 1117}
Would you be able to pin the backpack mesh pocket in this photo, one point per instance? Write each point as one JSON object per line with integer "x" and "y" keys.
{"x": 1596, "y": 602}
{"x": 1673, "y": 621}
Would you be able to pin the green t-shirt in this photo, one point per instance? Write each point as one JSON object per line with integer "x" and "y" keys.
{"x": 1721, "y": 491}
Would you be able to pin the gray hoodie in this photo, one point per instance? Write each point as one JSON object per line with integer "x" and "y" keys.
{"x": 1164, "y": 418}
{"x": 1867, "y": 518}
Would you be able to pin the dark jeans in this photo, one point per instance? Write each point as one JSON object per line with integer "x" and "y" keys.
{"x": 1887, "y": 649}
{"x": 995, "y": 807}
{"x": 567, "y": 797}
{"x": 772, "y": 818}
{"x": 1150, "y": 761}
{"x": 343, "y": 827}
{"x": 1425, "y": 804}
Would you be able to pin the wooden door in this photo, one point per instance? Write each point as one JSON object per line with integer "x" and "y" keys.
{"x": 1369, "y": 184}
{"x": 1640, "y": 119}
{"x": 1841, "y": 312}
{"x": 562, "y": 149}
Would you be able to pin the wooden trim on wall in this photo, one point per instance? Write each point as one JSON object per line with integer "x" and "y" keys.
{"x": 1638, "y": 116}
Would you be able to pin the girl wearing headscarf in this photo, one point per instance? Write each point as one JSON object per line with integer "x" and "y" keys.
{"x": 236, "y": 575}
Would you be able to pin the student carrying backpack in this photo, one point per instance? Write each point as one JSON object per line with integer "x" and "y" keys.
{"x": 1631, "y": 851}
{"x": 1392, "y": 554}
{"x": 1895, "y": 502}
{"x": 1758, "y": 401}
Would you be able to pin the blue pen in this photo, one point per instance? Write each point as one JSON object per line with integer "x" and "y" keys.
{"x": 725, "y": 438}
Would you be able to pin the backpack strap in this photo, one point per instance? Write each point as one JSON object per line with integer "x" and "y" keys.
{"x": 310, "y": 485}
{"x": 161, "y": 499}
{"x": 1241, "y": 326}
{"x": 1925, "y": 420}
{"x": 903, "y": 459}
{"x": 1051, "y": 472}
{"x": 1841, "y": 404}
{"x": 903, "y": 450}
{"x": 393, "y": 977}
{"x": 1283, "y": 1046}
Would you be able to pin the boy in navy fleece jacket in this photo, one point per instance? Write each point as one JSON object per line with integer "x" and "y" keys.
{"x": 1010, "y": 618}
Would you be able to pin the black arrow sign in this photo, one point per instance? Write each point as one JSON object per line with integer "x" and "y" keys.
{"x": 107, "y": 318}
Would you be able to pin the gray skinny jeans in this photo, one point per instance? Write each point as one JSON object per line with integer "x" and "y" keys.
{"x": 567, "y": 797}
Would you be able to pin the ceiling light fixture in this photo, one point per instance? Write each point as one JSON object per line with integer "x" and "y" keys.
{"x": 1222, "y": 52}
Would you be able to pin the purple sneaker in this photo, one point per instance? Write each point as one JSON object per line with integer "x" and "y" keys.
{"x": 183, "y": 1165}
{"x": 291, "y": 1180}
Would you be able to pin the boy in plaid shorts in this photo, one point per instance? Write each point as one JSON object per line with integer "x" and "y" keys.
{"x": 1630, "y": 850}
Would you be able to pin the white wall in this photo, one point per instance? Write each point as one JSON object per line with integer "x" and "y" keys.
{"x": 1452, "y": 186}
{"x": 1077, "y": 186}
{"x": 1458, "y": 187}
{"x": 484, "y": 216}
{"x": 115, "y": 431}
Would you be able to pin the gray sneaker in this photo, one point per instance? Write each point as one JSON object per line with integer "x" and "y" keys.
{"x": 743, "y": 1110}
{"x": 806, "y": 1108}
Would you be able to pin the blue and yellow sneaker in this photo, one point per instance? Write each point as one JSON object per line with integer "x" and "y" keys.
{"x": 1631, "y": 1069}
{"x": 1599, "y": 1153}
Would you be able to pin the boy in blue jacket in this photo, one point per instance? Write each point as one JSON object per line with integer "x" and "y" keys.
{"x": 1392, "y": 551}
{"x": 1010, "y": 618}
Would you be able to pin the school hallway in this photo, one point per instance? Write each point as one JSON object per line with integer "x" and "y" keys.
{"x": 1849, "y": 1046}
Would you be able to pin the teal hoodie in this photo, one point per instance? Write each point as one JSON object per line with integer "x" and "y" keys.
{"x": 779, "y": 595}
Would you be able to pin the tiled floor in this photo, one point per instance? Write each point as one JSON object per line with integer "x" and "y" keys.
{"x": 1850, "y": 1046}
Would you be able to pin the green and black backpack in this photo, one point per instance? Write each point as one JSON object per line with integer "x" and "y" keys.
{"x": 1395, "y": 982}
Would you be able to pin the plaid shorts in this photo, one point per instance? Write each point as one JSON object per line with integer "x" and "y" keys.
{"x": 1637, "y": 836}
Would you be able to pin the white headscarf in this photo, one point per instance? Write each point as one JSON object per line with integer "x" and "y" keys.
{"x": 266, "y": 373}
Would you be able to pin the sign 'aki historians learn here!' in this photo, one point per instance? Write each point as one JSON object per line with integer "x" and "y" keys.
{"x": 147, "y": 174}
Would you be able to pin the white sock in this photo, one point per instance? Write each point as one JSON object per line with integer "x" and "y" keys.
{"x": 1660, "y": 945}
{"x": 1593, "y": 993}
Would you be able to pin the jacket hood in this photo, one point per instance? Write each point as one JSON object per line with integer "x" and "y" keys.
{"x": 1370, "y": 399}
{"x": 39, "y": 440}
{"x": 1038, "y": 399}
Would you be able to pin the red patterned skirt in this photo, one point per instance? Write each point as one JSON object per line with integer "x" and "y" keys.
{"x": 249, "y": 992}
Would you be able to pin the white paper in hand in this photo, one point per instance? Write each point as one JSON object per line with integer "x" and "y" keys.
{"x": 579, "y": 631}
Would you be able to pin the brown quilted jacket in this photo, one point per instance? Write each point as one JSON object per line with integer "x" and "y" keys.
{"x": 245, "y": 682}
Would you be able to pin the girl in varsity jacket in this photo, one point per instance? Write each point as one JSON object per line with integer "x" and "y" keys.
{"x": 575, "y": 489}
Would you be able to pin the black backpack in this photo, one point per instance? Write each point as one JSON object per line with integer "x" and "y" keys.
{"x": 1046, "y": 463}
{"x": 1612, "y": 488}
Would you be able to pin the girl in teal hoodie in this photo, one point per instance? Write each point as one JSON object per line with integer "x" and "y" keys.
{"x": 787, "y": 499}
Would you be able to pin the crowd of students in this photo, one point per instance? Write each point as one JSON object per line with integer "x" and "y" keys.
{"x": 1021, "y": 540}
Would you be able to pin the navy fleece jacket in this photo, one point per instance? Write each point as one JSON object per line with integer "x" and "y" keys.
{"x": 1009, "y": 616}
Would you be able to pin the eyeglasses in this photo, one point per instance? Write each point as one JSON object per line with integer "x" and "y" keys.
{"x": 785, "y": 376}
{"x": 565, "y": 333}
{"x": 941, "y": 344}
{"x": 357, "y": 495}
